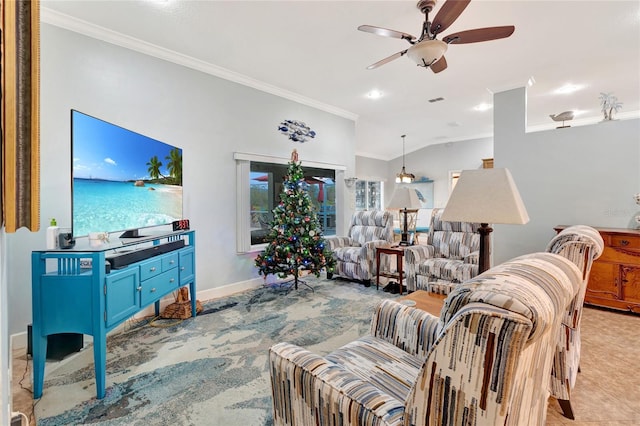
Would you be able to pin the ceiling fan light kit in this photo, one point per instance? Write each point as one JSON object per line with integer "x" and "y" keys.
{"x": 427, "y": 51}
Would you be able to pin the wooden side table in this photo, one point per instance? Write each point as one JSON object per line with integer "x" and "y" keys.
{"x": 426, "y": 301}
{"x": 396, "y": 251}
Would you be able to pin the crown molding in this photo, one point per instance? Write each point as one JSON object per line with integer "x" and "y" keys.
{"x": 70, "y": 23}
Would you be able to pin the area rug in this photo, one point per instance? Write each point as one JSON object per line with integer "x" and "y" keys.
{"x": 211, "y": 370}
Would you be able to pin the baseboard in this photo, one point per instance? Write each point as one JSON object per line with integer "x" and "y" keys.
{"x": 19, "y": 340}
{"x": 229, "y": 289}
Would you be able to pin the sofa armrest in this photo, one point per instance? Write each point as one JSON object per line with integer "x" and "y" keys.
{"x": 473, "y": 258}
{"x": 307, "y": 389}
{"x": 410, "y": 329}
{"x": 368, "y": 255}
{"x": 371, "y": 245}
{"x": 338, "y": 242}
{"x": 413, "y": 256}
{"x": 418, "y": 253}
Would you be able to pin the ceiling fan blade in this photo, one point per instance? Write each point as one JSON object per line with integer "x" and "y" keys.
{"x": 479, "y": 34}
{"x": 447, "y": 14}
{"x": 387, "y": 59}
{"x": 384, "y": 32}
{"x": 439, "y": 65}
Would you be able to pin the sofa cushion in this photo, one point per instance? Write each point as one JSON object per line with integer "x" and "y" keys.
{"x": 348, "y": 254}
{"x": 448, "y": 269}
{"x": 384, "y": 365}
{"x": 454, "y": 245}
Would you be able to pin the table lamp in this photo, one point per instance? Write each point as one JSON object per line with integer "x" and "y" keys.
{"x": 406, "y": 201}
{"x": 485, "y": 196}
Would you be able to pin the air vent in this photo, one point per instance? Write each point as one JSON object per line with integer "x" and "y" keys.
{"x": 436, "y": 99}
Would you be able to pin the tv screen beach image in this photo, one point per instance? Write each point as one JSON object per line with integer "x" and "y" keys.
{"x": 121, "y": 179}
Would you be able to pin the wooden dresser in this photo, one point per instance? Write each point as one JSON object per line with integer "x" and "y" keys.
{"x": 614, "y": 281}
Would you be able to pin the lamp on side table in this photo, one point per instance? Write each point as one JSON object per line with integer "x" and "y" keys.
{"x": 485, "y": 196}
{"x": 407, "y": 202}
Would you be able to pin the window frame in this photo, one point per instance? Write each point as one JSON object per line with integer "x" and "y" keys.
{"x": 380, "y": 183}
{"x": 243, "y": 202}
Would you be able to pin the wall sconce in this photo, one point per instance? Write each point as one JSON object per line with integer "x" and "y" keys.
{"x": 350, "y": 181}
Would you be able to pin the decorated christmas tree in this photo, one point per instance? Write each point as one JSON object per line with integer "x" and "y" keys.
{"x": 295, "y": 242}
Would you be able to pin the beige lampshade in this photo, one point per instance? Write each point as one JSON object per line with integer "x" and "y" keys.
{"x": 486, "y": 196}
{"x": 404, "y": 198}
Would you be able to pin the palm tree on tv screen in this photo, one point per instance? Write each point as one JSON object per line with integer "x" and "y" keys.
{"x": 175, "y": 165}
{"x": 154, "y": 167}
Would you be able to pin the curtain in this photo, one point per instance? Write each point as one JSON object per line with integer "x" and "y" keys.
{"x": 20, "y": 136}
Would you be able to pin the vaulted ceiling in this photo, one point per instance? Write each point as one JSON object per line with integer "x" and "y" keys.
{"x": 311, "y": 51}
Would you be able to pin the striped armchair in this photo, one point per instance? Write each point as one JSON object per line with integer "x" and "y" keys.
{"x": 485, "y": 361}
{"x": 449, "y": 256}
{"x": 582, "y": 245}
{"x": 355, "y": 254}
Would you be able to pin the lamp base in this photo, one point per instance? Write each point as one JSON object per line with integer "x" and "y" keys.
{"x": 484, "y": 256}
{"x": 406, "y": 239}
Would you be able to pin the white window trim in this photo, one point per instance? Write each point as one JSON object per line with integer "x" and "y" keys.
{"x": 243, "y": 219}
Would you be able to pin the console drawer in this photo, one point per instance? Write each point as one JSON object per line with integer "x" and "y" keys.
{"x": 158, "y": 286}
{"x": 150, "y": 268}
{"x": 169, "y": 261}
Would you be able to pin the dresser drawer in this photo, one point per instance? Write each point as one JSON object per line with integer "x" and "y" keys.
{"x": 158, "y": 286}
{"x": 625, "y": 241}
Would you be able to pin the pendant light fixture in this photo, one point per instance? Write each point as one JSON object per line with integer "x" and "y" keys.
{"x": 403, "y": 176}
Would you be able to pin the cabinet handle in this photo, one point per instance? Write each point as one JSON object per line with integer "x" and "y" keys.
{"x": 140, "y": 288}
{"x": 153, "y": 290}
{"x": 171, "y": 280}
{"x": 624, "y": 242}
{"x": 152, "y": 269}
{"x": 182, "y": 269}
{"x": 171, "y": 262}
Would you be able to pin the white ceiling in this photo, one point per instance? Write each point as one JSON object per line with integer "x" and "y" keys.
{"x": 312, "y": 52}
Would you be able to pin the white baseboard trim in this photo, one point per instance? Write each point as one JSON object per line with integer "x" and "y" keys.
{"x": 19, "y": 340}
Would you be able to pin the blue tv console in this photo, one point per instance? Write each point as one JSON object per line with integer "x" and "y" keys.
{"x": 77, "y": 291}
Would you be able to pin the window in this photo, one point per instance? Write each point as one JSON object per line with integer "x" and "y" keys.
{"x": 368, "y": 195}
{"x": 260, "y": 181}
{"x": 265, "y": 187}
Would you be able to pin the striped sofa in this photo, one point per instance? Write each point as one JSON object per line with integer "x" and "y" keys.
{"x": 449, "y": 256}
{"x": 582, "y": 245}
{"x": 485, "y": 361}
{"x": 355, "y": 254}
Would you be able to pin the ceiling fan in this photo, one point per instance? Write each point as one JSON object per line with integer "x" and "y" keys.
{"x": 426, "y": 51}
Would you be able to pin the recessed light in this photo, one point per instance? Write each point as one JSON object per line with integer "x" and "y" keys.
{"x": 374, "y": 94}
{"x": 568, "y": 88}
{"x": 483, "y": 107}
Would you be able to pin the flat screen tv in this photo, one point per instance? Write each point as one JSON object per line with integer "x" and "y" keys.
{"x": 121, "y": 180}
